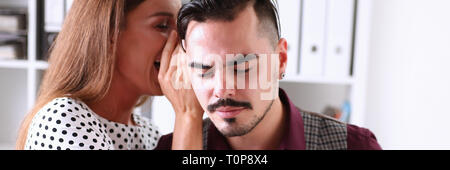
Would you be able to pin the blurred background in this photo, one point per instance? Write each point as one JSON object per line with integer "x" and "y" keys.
{"x": 380, "y": 64}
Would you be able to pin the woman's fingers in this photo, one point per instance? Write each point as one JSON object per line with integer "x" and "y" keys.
{"x": 167, "y": 52}
{"x": 183, "y": 66}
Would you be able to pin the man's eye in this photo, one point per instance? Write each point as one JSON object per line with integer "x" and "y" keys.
{"x": 207, "y": 74}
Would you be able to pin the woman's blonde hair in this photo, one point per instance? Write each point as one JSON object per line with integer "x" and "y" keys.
{"x": 82, "y": 59}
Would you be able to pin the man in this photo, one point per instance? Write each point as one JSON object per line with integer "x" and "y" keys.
{"x": 230, "y": 46}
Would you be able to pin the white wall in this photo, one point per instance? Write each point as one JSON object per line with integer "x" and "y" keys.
{"x": 409, "y": 82}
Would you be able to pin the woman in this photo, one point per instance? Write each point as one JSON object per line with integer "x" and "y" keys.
{"x": 107, "y": 55}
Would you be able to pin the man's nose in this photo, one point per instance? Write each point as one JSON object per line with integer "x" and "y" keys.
{"x": 224, "y": 86}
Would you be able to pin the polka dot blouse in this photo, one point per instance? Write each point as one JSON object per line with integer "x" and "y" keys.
{"x": 69, "y": 124}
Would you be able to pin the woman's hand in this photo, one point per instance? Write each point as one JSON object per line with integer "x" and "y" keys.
{"x": 176, "y": 86}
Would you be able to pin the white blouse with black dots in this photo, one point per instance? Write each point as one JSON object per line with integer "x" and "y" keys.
{"x": 69, "y": 124}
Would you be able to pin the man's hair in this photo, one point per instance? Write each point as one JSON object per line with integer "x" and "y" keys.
{"x": 227, "y": 10}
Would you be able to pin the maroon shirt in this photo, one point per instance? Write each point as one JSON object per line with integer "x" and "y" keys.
{"x": 294, "y": 139}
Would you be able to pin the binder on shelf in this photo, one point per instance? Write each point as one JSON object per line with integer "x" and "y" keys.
{"x": 12, "y": 47}
{"x": 54, "y": 15}
{"x": 11, "y": 52}
{"x": 290, "y": 12}
{"x": 68, "y": 6}
{"x": 312, "y": 50}
{"x": 13, "y": 21}
{"x": 50, "y": 37}
{"x": 340, "y": 18}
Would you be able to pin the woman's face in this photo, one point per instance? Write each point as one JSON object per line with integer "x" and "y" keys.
{"x": 141, "y": 43}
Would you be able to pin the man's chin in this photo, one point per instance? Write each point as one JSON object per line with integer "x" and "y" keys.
{"x": 237, "y": 126}
{"x": 234, "y": 133}
{"x": 230, "y": 120}
{"x": 233, "y": 129}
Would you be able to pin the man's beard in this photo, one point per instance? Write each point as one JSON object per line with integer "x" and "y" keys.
{"x": 242, "y": 130}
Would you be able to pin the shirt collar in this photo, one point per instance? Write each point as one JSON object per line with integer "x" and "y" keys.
{"x": 293, "y": 139}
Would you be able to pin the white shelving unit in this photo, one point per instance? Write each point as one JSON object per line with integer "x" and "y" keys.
{"x": 14, "y": 64}
{"x": 32, "y": 65}
{"x": 340, "y": 29}
{"x": 19, "y": 79}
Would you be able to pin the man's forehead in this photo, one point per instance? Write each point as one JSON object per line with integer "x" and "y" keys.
{"x": 226, "y": 56}
{"x": 221, "y": 46}
{"x": 203, "y": 40}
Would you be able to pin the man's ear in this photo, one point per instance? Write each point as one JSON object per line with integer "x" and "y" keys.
{"x": 282, "y": 52}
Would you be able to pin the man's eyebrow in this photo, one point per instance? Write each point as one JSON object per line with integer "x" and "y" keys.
{"x": 168, "y": 14}
{"x": 200, "y": 66}
{"x": 235, "y": 62}
{"x": 242, "y": 59}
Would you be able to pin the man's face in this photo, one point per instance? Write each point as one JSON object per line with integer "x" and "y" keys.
{"x": 235, "y": 92}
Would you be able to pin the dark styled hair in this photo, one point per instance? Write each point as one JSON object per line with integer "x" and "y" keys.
{"x": 227, "y": 10}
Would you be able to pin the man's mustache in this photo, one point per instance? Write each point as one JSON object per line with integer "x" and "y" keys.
{"x": 228, "y": 102}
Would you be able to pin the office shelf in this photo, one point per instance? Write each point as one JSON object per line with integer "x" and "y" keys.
{"x": 14, "y": 64}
